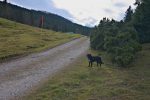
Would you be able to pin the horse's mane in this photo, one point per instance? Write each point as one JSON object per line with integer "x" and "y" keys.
{"x": 89, "y": 56}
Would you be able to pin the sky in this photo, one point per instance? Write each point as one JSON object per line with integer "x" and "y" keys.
{"x": 84, "y": 12}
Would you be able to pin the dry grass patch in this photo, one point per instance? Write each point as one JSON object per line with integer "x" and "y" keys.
{"x": 17, "y": 39}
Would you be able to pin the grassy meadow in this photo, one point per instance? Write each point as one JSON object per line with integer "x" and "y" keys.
{"x": 18, "y": 39}
{"x": 79, "y": 82}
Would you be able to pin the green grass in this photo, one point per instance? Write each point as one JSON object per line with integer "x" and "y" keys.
{"x": 17, "y": 39}
{"x": 79, "y": 82}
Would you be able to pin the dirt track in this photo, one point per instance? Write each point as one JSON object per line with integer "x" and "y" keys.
{"x": 20, "y": 75}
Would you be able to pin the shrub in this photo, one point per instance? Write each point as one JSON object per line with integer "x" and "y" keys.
{"x": 120, "y": 42}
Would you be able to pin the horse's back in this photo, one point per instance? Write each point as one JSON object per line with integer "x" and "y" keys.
{"x": 94, "y": 58}
{"x": 98, "y": 59}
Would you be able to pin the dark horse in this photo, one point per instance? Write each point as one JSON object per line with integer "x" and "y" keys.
{"x": 92, "y": 59}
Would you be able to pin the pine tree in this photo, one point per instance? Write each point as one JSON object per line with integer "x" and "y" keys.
{"x": 5, "y": 1}
{"x": 138, "y": 2}
{"x": 128, "y": 16}
{"x": 142, "y": 21}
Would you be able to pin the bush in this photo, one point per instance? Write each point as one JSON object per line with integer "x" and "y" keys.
{"x": 120, "y": 42}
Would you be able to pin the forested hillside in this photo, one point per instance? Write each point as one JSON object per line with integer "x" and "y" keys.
{"x": 40, "y": 19}
{"x": 121, "y": 40}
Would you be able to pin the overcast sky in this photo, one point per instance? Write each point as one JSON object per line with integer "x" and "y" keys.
{"x": 85, "y": 12}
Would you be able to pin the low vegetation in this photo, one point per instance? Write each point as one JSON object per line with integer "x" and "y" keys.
{"x": 121, "y": 39}
{"x": 79, "y": 82}
{"x": 18, "y": 39}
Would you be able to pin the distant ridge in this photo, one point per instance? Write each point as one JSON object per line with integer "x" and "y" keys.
{"x": 40, "y": 19}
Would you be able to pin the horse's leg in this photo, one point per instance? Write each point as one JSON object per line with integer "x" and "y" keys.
{"x": 97, "y": 64}
{"x": 89, "y": 64}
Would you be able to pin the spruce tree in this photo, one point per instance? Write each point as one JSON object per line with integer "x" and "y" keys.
{"x": 128, "y": 16}
{"x": 142, "y": 21}
{"x": 5, "y": 1}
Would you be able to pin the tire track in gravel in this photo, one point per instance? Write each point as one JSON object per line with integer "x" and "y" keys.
{"x": 21, "y": 75}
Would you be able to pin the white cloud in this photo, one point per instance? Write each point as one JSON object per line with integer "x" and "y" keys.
{"x": 87, "y": 11}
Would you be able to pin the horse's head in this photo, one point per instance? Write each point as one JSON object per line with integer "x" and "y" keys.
{"x": 89, "y": 56}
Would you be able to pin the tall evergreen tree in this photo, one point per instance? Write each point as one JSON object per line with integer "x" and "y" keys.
{"x": 142, "y": 21}
{"x": 138, "y": 2}
{"x": 128, "y": 15}
{"x": 5, "y": 1}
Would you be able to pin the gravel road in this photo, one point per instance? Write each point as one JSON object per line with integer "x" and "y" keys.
{"x": 21, "y": 75}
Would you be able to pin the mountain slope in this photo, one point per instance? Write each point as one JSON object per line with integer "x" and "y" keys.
{"x": 17, "y": 39}
{"x": 33, "y": 18}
